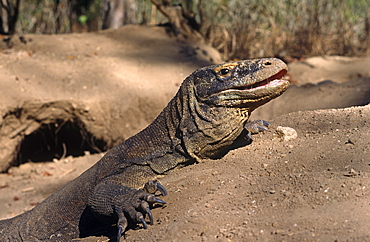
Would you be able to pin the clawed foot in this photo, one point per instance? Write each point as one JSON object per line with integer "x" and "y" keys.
{"x": 138, "y": 204}
{"x": 255, "y": 127}
{"x": 116, "y": 203}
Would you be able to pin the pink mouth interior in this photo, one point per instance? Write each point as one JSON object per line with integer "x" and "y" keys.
{"x": 279, "y": 75}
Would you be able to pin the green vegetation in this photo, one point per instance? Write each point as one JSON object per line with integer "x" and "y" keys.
{"x": 237, "y": 28}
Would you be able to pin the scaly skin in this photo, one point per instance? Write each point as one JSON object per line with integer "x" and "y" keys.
{"x": 208, "y": 113}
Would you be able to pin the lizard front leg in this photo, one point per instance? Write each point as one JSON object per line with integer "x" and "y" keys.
{"x": 116, "y": 203}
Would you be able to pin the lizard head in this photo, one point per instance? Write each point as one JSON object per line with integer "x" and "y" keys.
{"x": 215, "y": 102}
{"x": 245, "y": 84}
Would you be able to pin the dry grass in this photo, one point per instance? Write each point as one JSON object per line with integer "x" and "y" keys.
{"x": 241, "y": 29}
{"x": 238, "y": 29}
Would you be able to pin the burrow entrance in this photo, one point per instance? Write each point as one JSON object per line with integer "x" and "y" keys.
{"x": 57, "y": 141}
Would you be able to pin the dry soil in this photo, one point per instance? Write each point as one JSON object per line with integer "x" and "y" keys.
{"x": 104, "y": 87}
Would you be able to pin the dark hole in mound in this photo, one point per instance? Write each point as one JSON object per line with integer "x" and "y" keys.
{"x": 58, "y": 140}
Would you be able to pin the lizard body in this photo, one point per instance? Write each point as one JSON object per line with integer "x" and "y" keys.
{"x": 208, "y": 113}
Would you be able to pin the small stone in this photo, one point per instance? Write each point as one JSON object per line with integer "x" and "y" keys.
{"x": 28, "y": 189}
{"x": 279, "y": 231}
{"x": 275, "y": 224}
{"x": 286, "y": 133}
{"x": 352, "y": 173}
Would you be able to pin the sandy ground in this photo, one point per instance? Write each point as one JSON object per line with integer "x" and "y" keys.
{"x": 314, "y": 187}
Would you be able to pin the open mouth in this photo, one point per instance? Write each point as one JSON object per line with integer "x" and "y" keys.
{"x": 265, "y": 82}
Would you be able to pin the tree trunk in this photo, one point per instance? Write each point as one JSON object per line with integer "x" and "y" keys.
{"x": 8, "y": 16}
{"x": 118, "y": 13}
{"x": 182, "y": 22}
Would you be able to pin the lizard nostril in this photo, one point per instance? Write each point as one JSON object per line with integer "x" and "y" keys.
{"x": 268, "y": 63}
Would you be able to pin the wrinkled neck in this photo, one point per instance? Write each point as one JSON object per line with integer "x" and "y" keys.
{"x": 185, "y": 130}
{"x": 160, "y": 145}
{"x": 211, "y": 129}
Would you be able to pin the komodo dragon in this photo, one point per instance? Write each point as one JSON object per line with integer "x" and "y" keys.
{"x": 208, "y": 113}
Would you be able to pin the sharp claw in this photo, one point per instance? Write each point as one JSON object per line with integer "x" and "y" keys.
{"x": 261, "y": 128}
{"x": 249, "y": 136}
{"x": 161, "y": 189}
{"x": 150, "y": 215}
{"x": 157, "y": 200}
{"x": 119, "y": 233}
{"x": 121, "y": 224}
{"x": 143, "y": 222}
{"x": 153, "y": 186}
{"x": 257, "y": 126}
{"x": 145, "y": 206}
{"x": 265, "y": 123}
{"x": 153, "y": 199}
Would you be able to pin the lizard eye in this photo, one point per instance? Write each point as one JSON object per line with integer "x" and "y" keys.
{"x": 224, "y": 71}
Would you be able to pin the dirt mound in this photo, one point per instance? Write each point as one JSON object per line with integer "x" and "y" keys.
{"x": 68, "y": 95}
{"x": 314, "y": 187}
{"x": 322, "y": 82}
{"x": 326, "y": 94}
{"x": 334, "y": 68}
{"x": 110, "y": 84}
